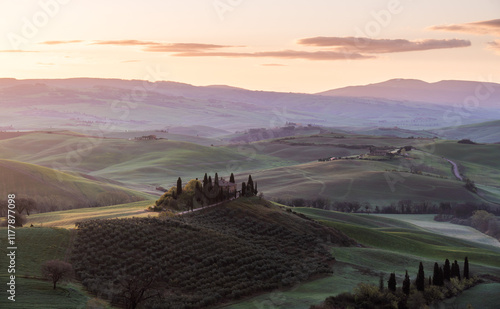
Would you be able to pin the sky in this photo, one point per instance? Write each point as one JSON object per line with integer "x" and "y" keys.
{"x": 277, "y": 45}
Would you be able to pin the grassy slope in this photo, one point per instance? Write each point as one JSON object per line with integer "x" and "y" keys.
{"x": 392, "y": 246}
{"x": 132, "y": 162}
{"x": 251, "y": 227}
{"x": 485, "y": 132}
{"x": 284, "y": 166}
{"x": 54, "y": 187}
{"x": 67, "y": 219}
{"x": 479, "y": 162}
{"x": 355, "y": 180}
{"x": 36, "y": 245}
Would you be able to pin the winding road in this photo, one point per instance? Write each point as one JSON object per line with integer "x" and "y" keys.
{"x": 455, "y": 169}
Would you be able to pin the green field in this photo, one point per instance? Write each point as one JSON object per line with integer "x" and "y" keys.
{"x": 35, "y": 246}
{"x": 485, "y": 132}
{"x": 67, "y": 219}
{"x": 286, "y": 167}
{"x": 390, "y": 244}
{"x": 359, "y": 180}
{"x": 55, "y": 190}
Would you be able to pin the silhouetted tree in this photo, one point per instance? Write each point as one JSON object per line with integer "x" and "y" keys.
{"x": 466, "y": 268}
{"x": 457, "y": 270}
{"x": 447, "y": 270}
{"x": 420, "y": 281}
{"x": 391, "y": 284}
{"x": 255, "y": 191}
{"x": 243, "y": 189}
{"x": 216, "y": 180}
{"x": 56, "y": 271}
{"x": 381, "y": 283}
{"x": 470, "y": 185}
{"x": 250, "y": 185}
{"x": 437, "y": 276}
{"x": 25, "y": 205}
{"x": 231, "y": 178}
{"x": 136, "y": 290}
{"x": 179, "y": 186}
{"x": 406, "y": 284}
{"x": 205, "y": 180}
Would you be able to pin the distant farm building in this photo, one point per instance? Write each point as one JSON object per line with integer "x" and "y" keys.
{"x": 146, "y": 138}
{"x": 378, "y": 152}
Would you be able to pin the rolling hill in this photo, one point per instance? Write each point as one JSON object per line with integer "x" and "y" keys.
{"x": 284, "y": 167}
{"x": 55, "y": 190}
{"x": 204, "y": 258}
{"x": 485, "y": 132}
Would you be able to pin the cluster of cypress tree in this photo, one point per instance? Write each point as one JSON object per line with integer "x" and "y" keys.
{"x": 202, "y": 193}
{"x": 369, "y": 296}
{"x": 249, "y": 188}
{"x": 441, "y": 274}
{"x": 211, "y": 192}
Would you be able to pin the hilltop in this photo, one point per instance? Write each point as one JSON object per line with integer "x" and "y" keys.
{"x": 204, "y": 258}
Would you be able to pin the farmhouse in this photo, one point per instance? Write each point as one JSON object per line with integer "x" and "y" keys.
{"x": 229, "y": 186}
{"x": 378, "y": 152}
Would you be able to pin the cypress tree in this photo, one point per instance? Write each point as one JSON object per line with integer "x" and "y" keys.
{"x": 205, "y": 180}
{"x": 381, "y": 283}
{"x": 243, "y": 189}
{"x": 406, "y": 284}
{"x": 453, "y": 273}
{"x": 447, "y": 270}
{"x": 250, "y": 185}
{"x": 255, "y": 191}
{"x": 391, "y": 284}
{"x": 420, "y": 281}
{"x": 231, "y": 178}
{"x": 466, "y": 268}
{"x": 441, "y": 276}
{"x": 216, "y": 180}
{"x": 179, "y": 186}
{"x": 457, "y": 267}
{"x": 435, "y": 274}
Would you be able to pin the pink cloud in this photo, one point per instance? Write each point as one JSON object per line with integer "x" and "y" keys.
{"x": 378, "y": 46}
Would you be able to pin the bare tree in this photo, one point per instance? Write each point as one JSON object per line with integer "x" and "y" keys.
{"x": 137, "y": 290}
{"x": 26, "y": 204}
{"x": 57, "y": 270}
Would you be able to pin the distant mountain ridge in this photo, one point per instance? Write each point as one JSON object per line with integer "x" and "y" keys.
{"x": 487, "y": 94}
{"x": 86, "y": 104}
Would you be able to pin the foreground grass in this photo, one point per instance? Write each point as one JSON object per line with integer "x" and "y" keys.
{"x": 38, "y": 294}
{"x": 344, "y": 278}
{"x": 480, "y": 296}
{"x": 34, "y": 247}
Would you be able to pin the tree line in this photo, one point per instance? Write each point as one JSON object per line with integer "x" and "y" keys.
{"x": 407, "y": 206}
{"x": 446, "y": 281}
